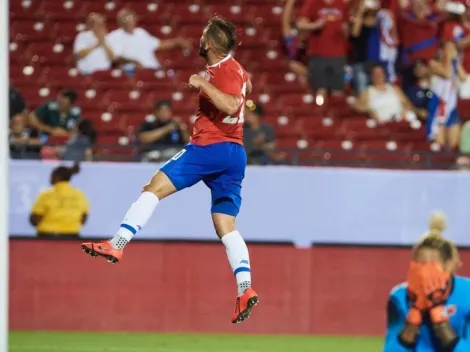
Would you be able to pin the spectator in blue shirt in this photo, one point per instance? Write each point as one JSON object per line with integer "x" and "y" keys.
{"x": 419, "y": 93}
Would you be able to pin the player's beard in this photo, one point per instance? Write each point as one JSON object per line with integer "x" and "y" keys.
{"x": 203, "y": 50}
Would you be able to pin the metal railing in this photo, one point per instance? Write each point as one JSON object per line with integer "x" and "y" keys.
{"x": 316, "y": 157}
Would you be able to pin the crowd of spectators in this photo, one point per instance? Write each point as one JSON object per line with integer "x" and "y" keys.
{"x": 399, "y": 59}
{"x": 408, "y": 59}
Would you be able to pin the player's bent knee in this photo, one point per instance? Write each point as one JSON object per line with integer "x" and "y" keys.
{"x": 160, "y": 185}
{"x": 223, "y": 223}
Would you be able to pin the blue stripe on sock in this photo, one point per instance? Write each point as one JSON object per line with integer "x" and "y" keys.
{"x": 130, "y": 228}
{"x": 241, "y": 269}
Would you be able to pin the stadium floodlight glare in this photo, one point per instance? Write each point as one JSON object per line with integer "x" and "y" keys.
{"x": 4, "y": 150}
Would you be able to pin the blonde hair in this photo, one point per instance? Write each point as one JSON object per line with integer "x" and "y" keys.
{"x": 434, "y": 238}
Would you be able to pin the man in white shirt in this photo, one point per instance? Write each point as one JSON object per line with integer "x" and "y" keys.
{"x": 91, "y": 48}
{"x": 134, "y": 47}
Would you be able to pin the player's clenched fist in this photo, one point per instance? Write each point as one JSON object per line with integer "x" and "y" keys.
{"x": 196, "y": 81}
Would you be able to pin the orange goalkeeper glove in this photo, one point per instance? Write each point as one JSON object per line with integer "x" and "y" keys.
{"x": 436, "y": 289}
{"x": 415, "y": 294}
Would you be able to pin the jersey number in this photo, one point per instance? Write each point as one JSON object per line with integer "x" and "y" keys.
{"x": 241, "y": 116}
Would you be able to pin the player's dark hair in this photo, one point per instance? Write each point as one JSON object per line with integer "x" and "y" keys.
{"x": 64, "y": 173}
{"x": 222, "y": 33}
{"x": 69, "y": 94}
{"x": 162, "y": 103}
{"x": 86, "y": 128}
{"x": 375, "y": 65}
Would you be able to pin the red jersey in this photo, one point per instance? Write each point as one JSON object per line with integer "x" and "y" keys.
{"x": 455, "y": 31}
{"x": 419, "y": 37}
{"x": 213, "y": 126}
{"x": 330, "y": 40}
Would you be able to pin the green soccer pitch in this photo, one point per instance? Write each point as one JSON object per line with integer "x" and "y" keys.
{"x": 122, "y": 342}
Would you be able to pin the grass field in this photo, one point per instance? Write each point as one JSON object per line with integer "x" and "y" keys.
{"x": 114, "y": 342}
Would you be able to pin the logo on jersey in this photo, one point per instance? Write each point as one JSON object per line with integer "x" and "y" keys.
{"x": 449, "y": 311}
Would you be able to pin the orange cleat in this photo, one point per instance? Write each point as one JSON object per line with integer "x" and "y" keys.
{"x": 244, "y": 306}
{"x": 103, "y": 249}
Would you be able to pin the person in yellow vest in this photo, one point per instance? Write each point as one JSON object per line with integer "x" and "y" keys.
{"x": 62, "y": 209}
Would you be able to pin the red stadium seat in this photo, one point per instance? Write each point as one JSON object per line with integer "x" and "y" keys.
{"x": 190, "y": 14}
{"x": 30, "y": 31}
{"x": 51, "y": 54}
{"x": 22, "y": 75}
{"x": 61, "y": 10}
{"x": 37, "y": 25}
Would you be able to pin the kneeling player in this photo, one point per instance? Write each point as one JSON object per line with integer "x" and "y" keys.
{"x": 431, "y": 312}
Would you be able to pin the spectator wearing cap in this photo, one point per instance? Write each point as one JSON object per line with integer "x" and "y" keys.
{"x": 418, "y": 27}
{"x": 134, "y": 47}
{"x": 161, "y": 135}
{"x": 374, "y": 39}
{"x": 258, "y": 137}
{"x": 17, "y": 103}
{"x": 91, "y": 48}
{"x": 325, "y": 20}
{"x": 57, "y": 117}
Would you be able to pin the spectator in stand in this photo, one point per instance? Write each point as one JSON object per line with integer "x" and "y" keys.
{"x": 383, "y": 101}
{"x": 134, "y": 47}
{"x": 61, "y": 210}
{"x": 57, "y": 117}
{"x": 80, "y": 145}
{"x": 294, "y": 43}
{"x": 17, "y": 104}
{"x": 259, "y": 137}
{"x": 373, "y": 39}
{"x": 443, "y": 124}
{"x": 419, "y": 93}
{"x": 162, "y": 135}
{"x": 327, "y": 44}
{"x": 91, "y": 48}
{"x": 418, "y": 28}
{"x": 457, "y": 28}
{"x": 24, "y": 142}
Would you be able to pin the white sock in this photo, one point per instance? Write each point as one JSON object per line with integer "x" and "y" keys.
{"x": 136, "y": 218}
{"x": 239, "y": 259}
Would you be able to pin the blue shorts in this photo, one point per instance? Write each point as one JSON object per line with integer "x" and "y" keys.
{"x": 438, "y": 115}
{"x": 222, "y": 168}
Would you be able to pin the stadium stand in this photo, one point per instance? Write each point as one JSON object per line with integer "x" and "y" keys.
{"x": 41, "y": 63}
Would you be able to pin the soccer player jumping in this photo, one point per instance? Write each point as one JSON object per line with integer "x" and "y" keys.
{"x": 215, "y": 156}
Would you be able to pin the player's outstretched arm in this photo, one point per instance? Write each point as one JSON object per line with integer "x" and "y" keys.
{"x": 400, "y": 336}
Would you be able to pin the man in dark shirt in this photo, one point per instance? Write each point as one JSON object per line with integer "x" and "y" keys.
{"x": 17, "y": 103}
{"x": 419, "y": 93}
{"x": 24, "y": 142}
{"x": 57, "y": 117}
{"x": 161, "y": 135}
{"x": 258, "y": 137}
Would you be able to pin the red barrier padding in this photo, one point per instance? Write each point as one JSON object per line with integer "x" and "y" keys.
{"x": 180, "y": 287}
